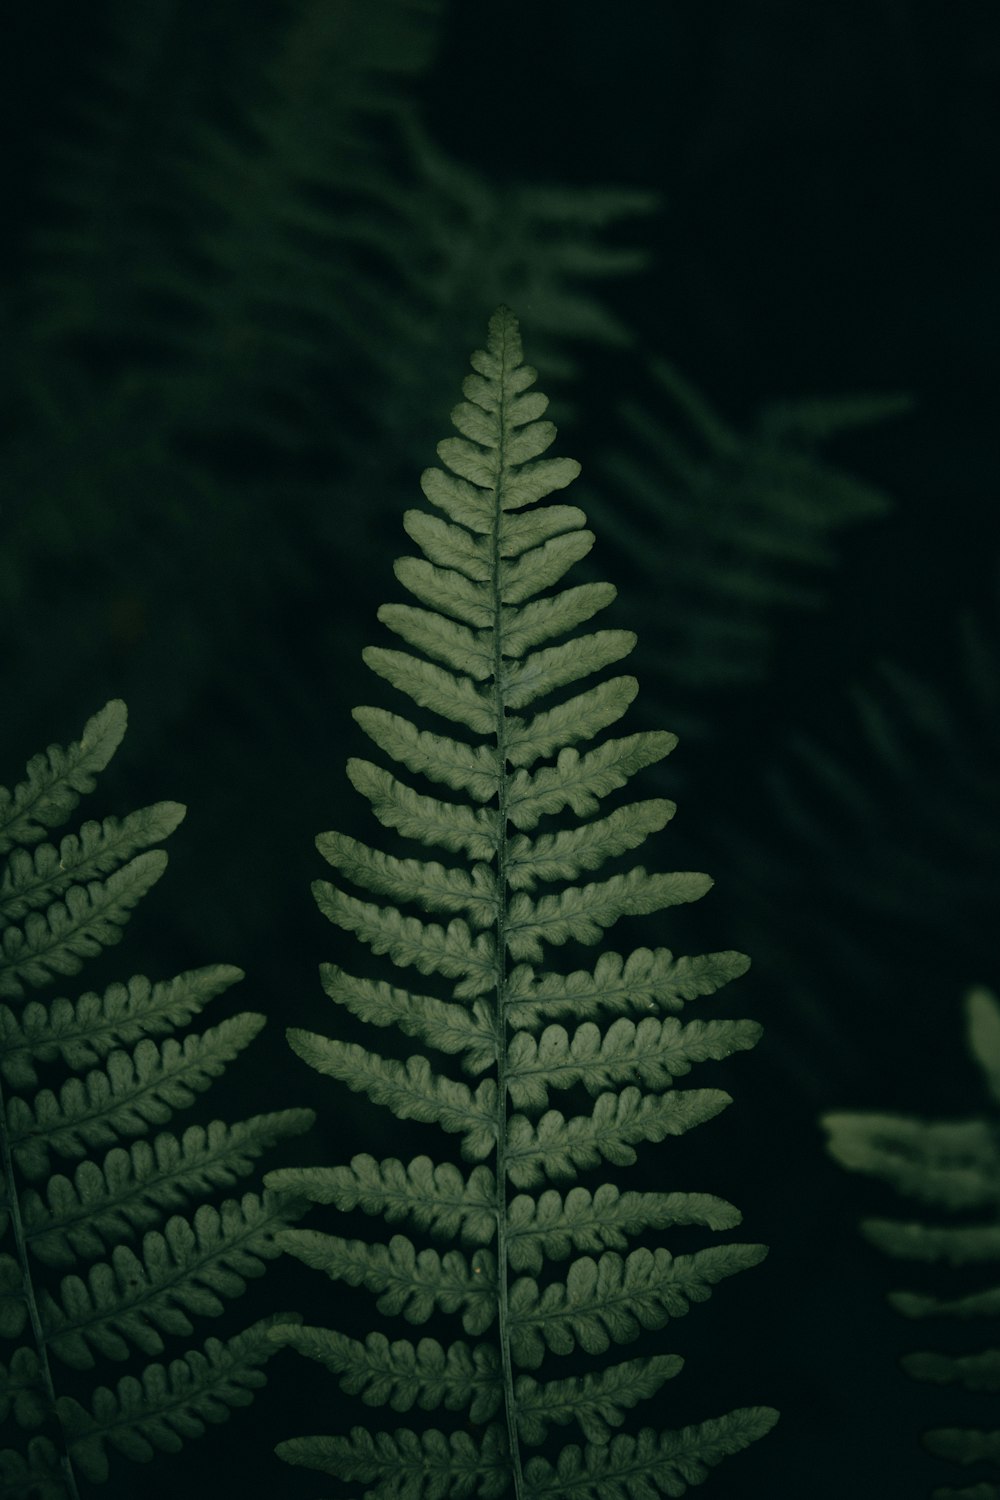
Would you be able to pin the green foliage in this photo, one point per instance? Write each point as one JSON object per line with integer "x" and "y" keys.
{"x": 490, "y": 627}
{"x": 102, "y": 1257}
{"x": 927, "y": 743}
{"x": 947, "y": 1167}
{"x": 728, "y": 529}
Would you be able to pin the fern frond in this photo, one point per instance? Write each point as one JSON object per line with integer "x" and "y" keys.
{"x": 553, "y": 1225}
{"x": 165, "y": 1406}
{"x": 578, "y": 718}
{"x": 437, "y": 1198}
{"x": 432, "y": 949}
{"x": 491, "y": 642}
{"x": 84, "y": 1031}
{"x": 402, "y": 1374}
{"x": 452, "y": 825}
{"x": 32, "y": 879}
{"x": 133, "y": 1092}
{"x": 408, "y": 1465}
{"x": 914, "y": 739}
{"x": 411, "y": 1089}
{"x": 449, "y": 1028}
{"x": 954, "y": 1163}
{"x": 653, "y": 1053}
{"x": 56, "y": 779}
{"x": 34, "y": 1475}
{"x": 645, "y": 980}
{"x": 556, "y": 1147}
{"x": 581, "y": 913}
{"x": 609, "y": 1300}
{"x": 628, "y": 1468}
{"x": 411, "y": 1282}
{"x": 578, "y": 781}
{"x": 20, "y": 1389}
{"x": 598, "y": 1401}
{"x": 133, "y": 1299}
{"x": 563, "y": 855}
{"x": 466, "y": 768}
{"x": 426, "y": 883}
{"x": 91, "y": 917}
{"x": 127, "y": 1192}
{"x": 950, "y": 1165}
{"x": 728, "y": 530}
{"x": 84, "y": 1073}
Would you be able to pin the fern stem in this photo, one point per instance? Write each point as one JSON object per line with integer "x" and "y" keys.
{"x": 21, "y": 1247}
{"x": 503, "y": 1315}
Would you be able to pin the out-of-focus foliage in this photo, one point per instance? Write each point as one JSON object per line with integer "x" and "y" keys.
{"x": 949, "y": 1167}
{"x": 893, "y": 820}
{"x": 727, "y": 532}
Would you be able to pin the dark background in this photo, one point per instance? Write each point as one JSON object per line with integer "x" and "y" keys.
{"x": 248, "y": 249}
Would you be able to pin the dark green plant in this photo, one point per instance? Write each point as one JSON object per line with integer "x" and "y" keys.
{"x": 892, "y": 810}
{"x": 482, "y": 633}
{"x": 949, "y": 1167}
{"x": 728, "y": 530}
{"x": 97, "y": 1264}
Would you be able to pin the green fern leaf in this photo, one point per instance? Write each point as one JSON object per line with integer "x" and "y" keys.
{"x": 432, "y": 687}
{"x": 952, "y": 1165}
{"x": 83, "y": 1032}
{"x": 563, "y": 855}
{"x": 578, "y": 781}
{"x": 555, "y": 1226}
{"x": 408, "y": 1281}
{"x": 82, "y": 1073}
{"x": 456, "y": 645}
{"x": 438, "y": 1197}
{"x": 581, "y": 913}
{"x": 402, "y": 1374}
{"x": 553, "y": 615}
{"x": 56, "y": 779}
{"x": 36, "y": 1475}
{"x": 451, "y": 951}
{"x": 408, "y": 1465}
{"x": 450, "y": 824}
{"x": 91, "y": 917}
{"x": 645, "y": 980}
{"x": 983, "y": 1017}
{"x": 426, "y": 883}
{"x": 13, "y": 1302}
{"x": 557, "y": 1147}
{"x": 411, "y": 1089}
{"x": 654, "y": 1052}
{"x": 492, "y": 632}
{"x": 127, "y": 1192}
{"x": 598, "y": 1401}
{"x": 932, "y": 1242}
{"x": 665, "y": 1462}
{"x": 167, "y": 1405}
{"x": 21, "y": 1389}
{"x": 133, "y": 1299}
{"x": 976, "y": 1372}
{"x": 578, "y": 718}
{"x": 133, "y": 1092}
{"x": 32, "y": 879}
{"x": 610, "y": 1300}
{"x": 465, "y": 768}
{"x": 449, "y": 1028}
